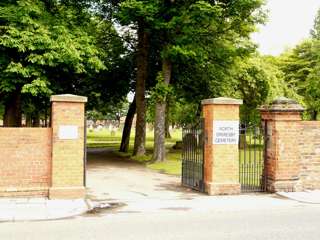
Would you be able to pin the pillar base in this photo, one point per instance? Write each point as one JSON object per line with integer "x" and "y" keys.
{"x": 24, "y": 192}
{"x": 283, "y": 186}
{"x": 67, "y": 192}
{"x": 223, "y": 188}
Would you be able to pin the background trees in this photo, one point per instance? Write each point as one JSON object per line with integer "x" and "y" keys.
{"x": 46, "y": 47}
{"x": 57, "y": 47}
{"x": 300, "y": 66}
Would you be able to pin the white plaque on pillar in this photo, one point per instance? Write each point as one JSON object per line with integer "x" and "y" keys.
{"x": 68, "y": 132}
{"x": 225, "y": 132}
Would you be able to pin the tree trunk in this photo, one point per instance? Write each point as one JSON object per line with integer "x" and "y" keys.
{"x": 125, "y": 140}
{"x": 12, "y": 112}
{"x": 142, "y": 74}
{"x": 314, "y": 115}
{"x": 36, "y": 119}
{"x": 46, "y": 116}
{"x": 159, "y": 125}
{"x": 28, "y": 120}
{"x": 167, "y": 123}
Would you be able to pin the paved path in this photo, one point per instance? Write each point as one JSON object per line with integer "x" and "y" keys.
{"x": 113, "y": 178}
{"x": 22, "y": 209}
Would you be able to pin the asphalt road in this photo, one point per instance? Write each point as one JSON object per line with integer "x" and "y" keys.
{"x": 299, "y": 222}
{"x": 157, "y": 208}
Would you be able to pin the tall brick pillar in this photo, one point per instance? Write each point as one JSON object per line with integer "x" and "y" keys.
{"x": 67, "y": 122}
{"x": 221, "y": 154}
{"x": 282, "y": 121}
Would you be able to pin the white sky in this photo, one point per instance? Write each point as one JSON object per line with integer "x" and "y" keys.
{"x": 290, "y": 21}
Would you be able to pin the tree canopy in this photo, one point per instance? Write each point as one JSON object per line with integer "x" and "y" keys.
{"x": 51, "y": 47}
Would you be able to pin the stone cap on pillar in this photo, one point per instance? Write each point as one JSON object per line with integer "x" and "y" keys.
{"x": 282, "y": 104}
{"x": 222, "y": 101}
{"x": 68, "y": 98}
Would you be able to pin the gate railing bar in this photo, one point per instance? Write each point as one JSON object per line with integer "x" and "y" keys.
{"x": 85, "y": 152}
{"x": 266, "y": 139}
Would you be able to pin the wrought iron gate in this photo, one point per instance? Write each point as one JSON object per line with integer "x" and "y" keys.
{"x": 251, "y": 158}
{"x": 193, "y": 157}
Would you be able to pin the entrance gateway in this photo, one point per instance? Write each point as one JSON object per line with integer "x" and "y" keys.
{"x": 224, "y": 149}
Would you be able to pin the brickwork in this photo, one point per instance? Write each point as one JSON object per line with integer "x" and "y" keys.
{"x": 292, "y": 148}
{"x": 283, "y": 164}
{"x": 221, "y": 162}
{"x": 45, "y": 161}
{"x": 67, "y": 154}
{"x": 309, "y": 146}
{"x": 25, "y": 161}
{"x": 66, "y": 168}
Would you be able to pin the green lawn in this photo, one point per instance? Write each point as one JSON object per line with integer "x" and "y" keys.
{"x": 109, "y": 139}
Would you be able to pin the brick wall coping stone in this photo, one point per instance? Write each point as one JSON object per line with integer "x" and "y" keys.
{"x": 68, "y": 98}
{"x": 222, "y": 101}
{"x": 282, "y": 104}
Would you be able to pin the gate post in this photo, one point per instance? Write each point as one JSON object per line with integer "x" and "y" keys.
{"x": 221, "y": 152}
{"x": 67, "y": 168}
{"x": 282, "y": 123}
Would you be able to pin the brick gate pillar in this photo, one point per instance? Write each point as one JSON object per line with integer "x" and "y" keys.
{"x": 67, "y": 122}
{"x": 221, "y": 153}
{"x": 282, "y": 122}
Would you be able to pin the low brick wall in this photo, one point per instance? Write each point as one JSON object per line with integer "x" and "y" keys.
{"x": 46, "y": 162}
{"x": 309, "y": 148}
{"x": 25, "y": 161}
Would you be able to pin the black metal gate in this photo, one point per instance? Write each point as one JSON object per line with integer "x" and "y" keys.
{"x": 251, "y": 158}
{"x": 193, "y": 157}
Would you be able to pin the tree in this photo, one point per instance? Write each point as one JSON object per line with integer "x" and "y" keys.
{"x": 312, "y": 85}
{"x": 297, "y": 64}
{"x": 313, "y": 92}
{"x": 257, "y": 80}
{"x": 125, "y": 140}
{"x": 198, "y": 32}
{"x": 315, "y": 32}
{"x": 139, "y": 13}
{"x": 45, "y": 47}
{"x": 301, "y": 66}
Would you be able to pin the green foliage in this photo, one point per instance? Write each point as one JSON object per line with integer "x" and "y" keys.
{"x": 313, "y": 89}
{"x": 161, "y": 91}
{"x": 315, "y": 32}
{"x": 46, "y": 46}
{"x": 258, "y": 81}
{"x": 299, "y": 66}
{"x": 201, "y": 38}
{"x": 109, "y": 112}
{"x": 180, "y": 111}
{"x": 94, "y": 115}
{"x": 301, "y": 70}
{"x": 183, "y": 112}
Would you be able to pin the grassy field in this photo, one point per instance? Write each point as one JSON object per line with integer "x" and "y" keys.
{"x": 172, "y": 165}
